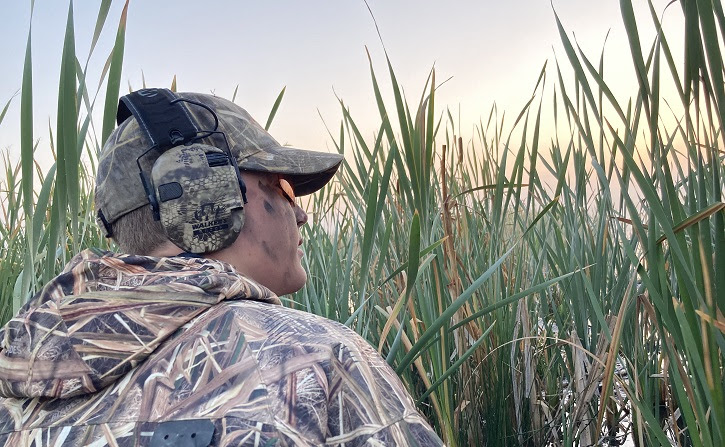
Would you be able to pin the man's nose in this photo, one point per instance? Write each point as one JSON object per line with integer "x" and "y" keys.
{"x": 301, "y": 216}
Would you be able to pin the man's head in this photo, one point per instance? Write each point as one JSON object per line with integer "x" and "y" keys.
{"x": 191, "y": 195}
{"x": 268, "y": 248}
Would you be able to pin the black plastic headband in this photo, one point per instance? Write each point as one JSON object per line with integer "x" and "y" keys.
{"x": 163, "y": 119}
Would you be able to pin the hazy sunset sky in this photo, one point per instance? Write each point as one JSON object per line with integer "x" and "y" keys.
{"x": 493, "y": 51}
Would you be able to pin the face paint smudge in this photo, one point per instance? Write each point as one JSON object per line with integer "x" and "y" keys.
{"x": 270, "y": 209}
{"x": 269, "y": 190}
{"x": 271, "y": 253}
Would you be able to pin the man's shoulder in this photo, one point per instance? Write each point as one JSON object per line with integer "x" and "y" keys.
{"x": 356, "y": 386}
{"x": 282, "y": 323}
{"x": 294, "y": 340}
{"x": 281, "y": 336}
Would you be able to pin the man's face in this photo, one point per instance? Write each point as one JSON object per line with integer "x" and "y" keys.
{"x": 268, "y": 247}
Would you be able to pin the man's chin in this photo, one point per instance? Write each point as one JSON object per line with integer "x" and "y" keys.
{"x": 295, "y": 282}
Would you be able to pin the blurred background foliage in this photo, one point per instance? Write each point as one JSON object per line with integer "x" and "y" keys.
{"x": 528, "y": 292}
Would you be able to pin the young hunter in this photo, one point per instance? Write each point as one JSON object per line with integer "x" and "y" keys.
{"x": 182, "y": 341}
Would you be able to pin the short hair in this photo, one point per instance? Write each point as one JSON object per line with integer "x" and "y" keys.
{"x": 138, "y": 232}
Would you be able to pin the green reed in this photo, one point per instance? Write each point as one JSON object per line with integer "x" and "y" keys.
{"x": 529, "y": 291}
{"x": 42, "y": 227}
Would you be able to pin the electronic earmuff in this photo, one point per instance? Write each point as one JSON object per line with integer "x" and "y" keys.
{"x": 199, "y": 202}
{"x": 195, "y": 190}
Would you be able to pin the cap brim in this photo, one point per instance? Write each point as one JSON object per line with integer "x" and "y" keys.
{"x": 307, "y": 170}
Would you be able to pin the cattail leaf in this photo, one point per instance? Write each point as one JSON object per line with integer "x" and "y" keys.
{"x": 41, "y": 206}
{"x": 26, "y": 160}
{"x": 275, "y": 107}
{"x": 234, "y": 95}
{"x": 457, "y": 364}
{"x": 603, "y": 87}
{"x": 713, "y": 55}
{"x": 114, "y": 78}
{"x": 445, "y": 317}
{"x": 576, "y": 65}
{"x": 630, "y": 25}
{"x": 100, "y": 22}
{"x": 513, "y": 298}
{"x": 67, "y": 131}
{"x": 7, "y": 105}
{"x": 412, "y": 276}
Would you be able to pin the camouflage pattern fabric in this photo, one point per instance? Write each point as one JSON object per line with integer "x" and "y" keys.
{"x": 118, "y": 344}
{"x": 119, "y": 189}
{"x": 202, "y": 208}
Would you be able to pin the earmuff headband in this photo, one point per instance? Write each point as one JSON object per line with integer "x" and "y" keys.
{"x": 164, "y": 120}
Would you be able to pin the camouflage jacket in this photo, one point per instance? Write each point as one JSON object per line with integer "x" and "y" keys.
{"x": 119, "y": 348}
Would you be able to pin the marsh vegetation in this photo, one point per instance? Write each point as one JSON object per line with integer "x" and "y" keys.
{"x": 529, "y": 290}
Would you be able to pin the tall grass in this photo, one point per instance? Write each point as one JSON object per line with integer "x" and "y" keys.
{"x": 566, "y": 291}
{"x": 43, "y": 227}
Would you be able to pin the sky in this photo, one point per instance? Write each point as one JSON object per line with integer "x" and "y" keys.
{"x": 493, "y": 51}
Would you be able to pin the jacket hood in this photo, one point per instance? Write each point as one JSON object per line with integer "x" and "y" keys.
{"x": 105, "y": 314}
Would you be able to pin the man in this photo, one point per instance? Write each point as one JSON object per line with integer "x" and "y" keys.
{"x": 184, "y": 342}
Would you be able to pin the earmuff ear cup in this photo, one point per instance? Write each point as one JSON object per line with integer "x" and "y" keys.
{"x": 199, "y": 200}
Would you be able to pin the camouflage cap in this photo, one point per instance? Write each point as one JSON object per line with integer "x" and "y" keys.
{"x": 118, "y": 185}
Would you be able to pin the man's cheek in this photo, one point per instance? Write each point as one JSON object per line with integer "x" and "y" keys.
{"x": 269, "y": 251}
{"x": 249, "y": 223}
{"x": 269, "y": 208}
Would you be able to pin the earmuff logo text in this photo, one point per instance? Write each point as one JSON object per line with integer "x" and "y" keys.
{"x": 209, "y": 227}
{"x": 208, "y": 214}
